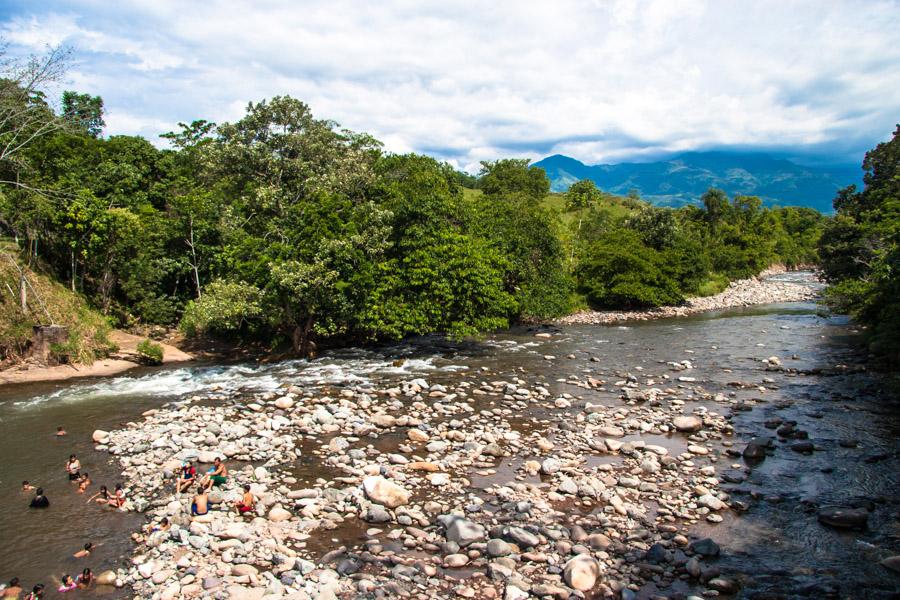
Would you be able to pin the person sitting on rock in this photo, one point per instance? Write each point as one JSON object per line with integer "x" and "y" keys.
{"x": 39, "y": 500}
{"x": 164, "y": 525}
{"x": 187, "y": 477}
{"x": 247, "y": 503}
{"x": 218, "y": 474}
{"x": 118, "y": 497}
{"x": 200, "y": 505}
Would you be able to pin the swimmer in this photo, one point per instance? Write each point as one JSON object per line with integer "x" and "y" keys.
{"x": 73, "y": 466}
{"x": 39, "y": 500}
{"x": 37, "y": 592}
{"x": 84, "y": 552}
{"x": 85, "y": 579}
{"x": 67, "y": 584}
{"x": 13, "y": 589}
{"x": 85, "y": 481}
{"x": 101, "y": 497}
{"x": 200, "y": 505}
{"x": 60, "y": 431}
{"x": 27, "y": 487}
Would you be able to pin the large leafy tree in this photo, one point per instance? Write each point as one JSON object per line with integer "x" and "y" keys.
{"x": 84, "y": 112}
{"x": 860, "y": 249}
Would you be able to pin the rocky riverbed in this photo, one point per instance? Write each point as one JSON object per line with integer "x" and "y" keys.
{"x": 591, "y": 506}
{"x": 763, "y": 289}
{"x": 739, "y": 454}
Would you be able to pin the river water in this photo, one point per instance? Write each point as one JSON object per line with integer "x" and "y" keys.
{"x": 776, "y": 547}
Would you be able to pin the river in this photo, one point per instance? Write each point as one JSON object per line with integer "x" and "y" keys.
{"x": 775, "y": 547}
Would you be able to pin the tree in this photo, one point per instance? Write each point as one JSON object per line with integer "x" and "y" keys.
{"x": 24, "y": 113}
{"x": 860, "y": 249}
{"x": 84, "y": 112}
{"x": 582, "y": 194}
{"x": 514, "y": 177}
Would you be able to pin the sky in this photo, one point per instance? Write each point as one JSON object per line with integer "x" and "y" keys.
{"x": 465, "y": 81}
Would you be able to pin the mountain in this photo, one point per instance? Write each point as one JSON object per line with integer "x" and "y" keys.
{"x": 682, "y": 179}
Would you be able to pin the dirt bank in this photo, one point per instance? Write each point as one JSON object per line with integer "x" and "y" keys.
{"x": 126, "y": 358}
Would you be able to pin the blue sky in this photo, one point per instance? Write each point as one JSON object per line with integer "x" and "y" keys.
{"x": 468, "y": 81}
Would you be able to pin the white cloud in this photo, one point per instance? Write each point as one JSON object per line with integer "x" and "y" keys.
{"x": 467, "y": 81}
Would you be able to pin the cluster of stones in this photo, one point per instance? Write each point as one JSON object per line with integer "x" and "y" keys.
{"x": 523, "y": 492}
{"x": 744, "y": 292}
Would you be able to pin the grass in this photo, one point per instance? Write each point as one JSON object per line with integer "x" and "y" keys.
{"x": 48, "y": 302}
{"x": 714, "y": 284}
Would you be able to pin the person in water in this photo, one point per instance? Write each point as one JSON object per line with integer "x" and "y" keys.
{"x": 67, "y": 584}
{"x": 84, "y": 482}
{"x": 101, "y": 497}
{"x": 187, "y": 478}
{"x": 200, "y": 505}
{"x": 60, "y": 431}
{"x": 39, "y": 500}
{"x": 27, "y": 487}
{"x": 37, "y": 592}
{"x": 85, "y": 552}
{"x": 218, "y": 474}
{"x": 85, "y": 580}
{"x": 74, "y": 468}
{"x": 12, "y": 589}
{"x": 246, "y": 503}
{"x": 118, "y": 498}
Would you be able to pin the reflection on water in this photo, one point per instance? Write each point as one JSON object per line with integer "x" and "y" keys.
{"x": 779, "y": 534}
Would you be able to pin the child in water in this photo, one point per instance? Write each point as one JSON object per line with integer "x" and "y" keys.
{"x": 37, "y": 592}
{"x": 67, "y": 584}
{"x": 27, "y": 487}
{"x": 85, "y": 580}
{"x": 84, "y": 483}
{"x": 84, "y": 552}
{"x": 101, "y": 497}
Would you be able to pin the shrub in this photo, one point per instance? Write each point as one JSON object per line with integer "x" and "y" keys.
{"x": 150, "y": 352}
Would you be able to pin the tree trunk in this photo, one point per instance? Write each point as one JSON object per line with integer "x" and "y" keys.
{"x": 194, "y": 257}
{"x": 23, "y": 292}
{"x": 301, "y": 338}
{"x": 72, "y": 257}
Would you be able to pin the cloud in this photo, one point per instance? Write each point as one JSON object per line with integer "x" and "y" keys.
{"x": 468, "y": 81}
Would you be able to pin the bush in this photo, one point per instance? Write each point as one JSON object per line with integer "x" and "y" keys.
{"x": 150, "y": 352}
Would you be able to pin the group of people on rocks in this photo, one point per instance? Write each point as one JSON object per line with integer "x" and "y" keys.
{"x": 67, "y": 583}
{"x": 216, "y": 476}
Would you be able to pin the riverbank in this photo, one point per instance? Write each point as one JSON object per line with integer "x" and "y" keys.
{"x": 124, "y": 359}
{"x": 484, "y": 470}
{"x": 743, "y": 292}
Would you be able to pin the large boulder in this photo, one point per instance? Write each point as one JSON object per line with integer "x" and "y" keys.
{"x": 100, "y": 436}
{"x": 462, "y": 531}
{"x": 688, "y": 423}
{"x": 385, "y": 492}
{"x": 582, "y": 572}
{"x": 106, "y": 578}
{"x": 844, "y": 517}
{"x": 278, "y": 514}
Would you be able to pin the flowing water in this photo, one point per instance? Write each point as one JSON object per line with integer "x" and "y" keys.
{"x": 777, "y": 545}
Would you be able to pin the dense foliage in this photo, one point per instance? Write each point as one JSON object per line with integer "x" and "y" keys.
{"x": 860, "y": 249}
{"x": 285, "y": 228}
{"x": 653, "y": 256}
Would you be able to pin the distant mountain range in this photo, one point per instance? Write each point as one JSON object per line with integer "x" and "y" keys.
{"x": 682, "y": 179}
